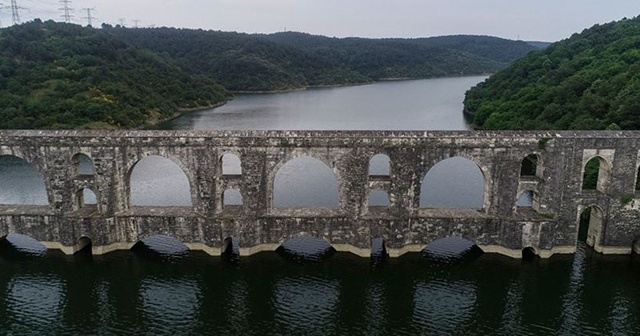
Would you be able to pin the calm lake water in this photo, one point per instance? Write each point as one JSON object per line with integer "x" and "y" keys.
{"x": 162, "y": 289}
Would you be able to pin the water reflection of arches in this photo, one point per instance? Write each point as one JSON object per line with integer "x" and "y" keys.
{"x": 21, "y": 182}
{"x": 380, "y": 165}
{"x": 590, "y": 220}
{"x": 304, "y": 247}
{"x": 162, "y": 245}
{"x": 305, "y": 182}
{"x": 452, "y": 247}
{"x": 23, "y": 243}
{"x": 304, "y": 305}
{"x": 35, "y": 301}
{"x": 455, "y": 182}
{"x": 156, "y": 180}
{"x": 445, "y": 306}
{"x": 170, "y": 304}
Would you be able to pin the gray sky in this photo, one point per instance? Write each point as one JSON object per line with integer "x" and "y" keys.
{"x": 545, "y": 20}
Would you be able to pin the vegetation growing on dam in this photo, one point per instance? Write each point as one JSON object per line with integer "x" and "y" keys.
{"x": 588, "y": 81}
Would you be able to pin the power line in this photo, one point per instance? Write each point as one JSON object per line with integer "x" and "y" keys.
{"x": 15, "y": 12}
{"x": 89, "y": 17}
{"x": 66, "y": 10}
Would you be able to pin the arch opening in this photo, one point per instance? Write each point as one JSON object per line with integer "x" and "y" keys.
{"x": 590, "y": 226}
{"x": 84, "y": 197}
{"x": 455, "y": 182}
{"x": 530, "y": 166}
{"x": 21, "y": 183}
{"x": 231, "y": 248}
{"x": 232, "y": 197}
{"x": 379, "y": 198}
{"x": 231, "y": 164}
{"x": 158, "y": 181}
{"x": 15, "y": 244}
{"x": 84, "y": 246}
{"x": 83, "y": 165}
{"x": 452, "y": 249}
{"x": 637, "y": 188}
{"x": 161, "y": 246}
{"x": 380, "y": 165}
{"x": 306, "y": 249}
{"x": 305, "y": 182}
{"x": 527, "y": 199}
{"x": 529, "y": 254}
{"x": 594, "y": 175}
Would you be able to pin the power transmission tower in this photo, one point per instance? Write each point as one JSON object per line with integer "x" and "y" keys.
{"x": 15, "y": 12}
{"x": 66, "y": 10}
{"x": 89, "y": 17}
{"x": 135, "y": 23}
{"x": 121, "y": 20}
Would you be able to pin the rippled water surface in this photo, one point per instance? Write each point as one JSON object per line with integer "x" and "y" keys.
{"x": 133, "y": 293}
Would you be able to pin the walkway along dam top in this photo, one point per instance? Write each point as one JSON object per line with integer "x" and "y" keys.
{"x": 550, "y": 225}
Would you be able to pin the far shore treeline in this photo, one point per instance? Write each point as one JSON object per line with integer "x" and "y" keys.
{"x": 589, "y": 81}
{"x": 64, "y": 76}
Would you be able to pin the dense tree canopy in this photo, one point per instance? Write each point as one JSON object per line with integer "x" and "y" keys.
{"x": 55, "y": 75}
{"x": 589, "y": 81}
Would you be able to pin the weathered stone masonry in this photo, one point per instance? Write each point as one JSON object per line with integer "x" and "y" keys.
{"x": 549, "y": 227}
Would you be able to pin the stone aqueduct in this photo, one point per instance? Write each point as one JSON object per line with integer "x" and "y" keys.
{"x": 550, "y": 226}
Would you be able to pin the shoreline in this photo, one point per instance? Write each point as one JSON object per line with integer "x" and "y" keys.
{"x": 180, "y": 112}
{"x": 380, "y": 80}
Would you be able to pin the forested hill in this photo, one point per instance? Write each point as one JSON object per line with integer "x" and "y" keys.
{"x": 255, "y": 62}
{"x": 588, "y": 81}
{"x": 56, "y": 75}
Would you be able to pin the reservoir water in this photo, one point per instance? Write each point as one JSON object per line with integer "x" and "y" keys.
{"x": 162, "y": 289}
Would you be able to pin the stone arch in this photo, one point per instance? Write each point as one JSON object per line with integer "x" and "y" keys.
{"x": 596, "y": 172}
{"x": 445, "y": 175}
{"x": 230, "y": 246}
{"x": 22, "y": 182}
{"x": 321, "y": 184}
{"x": 82, "y": 165}
{"x": 378, "y": 197}
{"x": 590, "y": 224}
{"x": 230, "y": 164}
{"x": 531, "y": 166}
{"x": 171, "y": 190}
{"x": 380, "y": 165}
{"x": 232, "y": 197}
{"x": 529, "y": 253}
{"x": 83, "y": 244}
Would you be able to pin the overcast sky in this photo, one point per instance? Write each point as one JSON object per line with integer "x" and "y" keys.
{"x": 544, "y": 20}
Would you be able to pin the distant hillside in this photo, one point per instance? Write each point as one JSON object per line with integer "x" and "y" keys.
{"x": 494, "y": 48}
{"x": 282, "y": 61}
{"x": 589, "y": 81}
{"x": 56, "y": 75}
